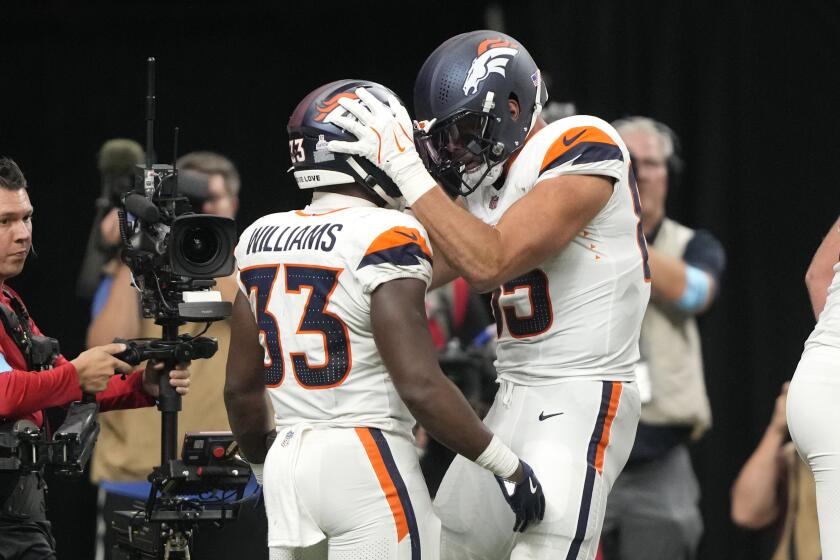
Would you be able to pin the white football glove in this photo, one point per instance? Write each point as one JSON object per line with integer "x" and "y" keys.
{"x": 385, "y": 138}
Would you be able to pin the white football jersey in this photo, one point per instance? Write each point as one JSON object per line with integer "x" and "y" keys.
{"x": 309, "y": 275}
{"x": 579, "y": 313}
{"x": 826, "y": 333}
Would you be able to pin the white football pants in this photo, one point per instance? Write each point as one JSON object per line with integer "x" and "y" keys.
{"x": 577, "y": 435}
{"x": 813, "y": 414}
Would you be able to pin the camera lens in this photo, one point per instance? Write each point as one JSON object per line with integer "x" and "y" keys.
{"x": 200, "y": 245}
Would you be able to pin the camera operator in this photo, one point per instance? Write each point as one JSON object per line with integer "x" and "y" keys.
{"x": 29, "y": 384}
{"x": 129, "y": 441}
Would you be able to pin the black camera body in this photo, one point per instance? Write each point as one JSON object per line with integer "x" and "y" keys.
{"x": 174, "y": 255}
{"x": 172, "y": 251}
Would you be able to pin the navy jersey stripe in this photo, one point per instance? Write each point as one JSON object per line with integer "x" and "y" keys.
{"x": 402, "y": 491}
{"x": 586, "y": 152}
{"x": 401, "y": 255}
{"x": 589, "y": 481}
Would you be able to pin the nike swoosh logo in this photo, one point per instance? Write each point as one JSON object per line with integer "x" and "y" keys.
{"x": 544, "y": 416}
{"x": 531, "y": 484}
{"x": 575, "y": 137}
{"x": 400, "y": 148}
{"x": 413, "y": 236}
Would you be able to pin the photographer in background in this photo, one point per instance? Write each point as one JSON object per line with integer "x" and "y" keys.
{"x": 116, "y": 161}
{"x": 25, "y": 390}
{"x": 129, "y": 443}
{"x": 653, "y": 512}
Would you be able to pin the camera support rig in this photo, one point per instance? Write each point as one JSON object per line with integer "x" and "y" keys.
{"x": 174, "y": 256}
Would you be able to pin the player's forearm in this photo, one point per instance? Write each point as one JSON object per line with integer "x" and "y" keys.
{"x": 820, "y": 272}
{"x": 470, "y": 246}
{"x": 444, "y": 412}
{"x": 442, "y": 273}
{"x": 755, "y": 503}
{"x": 249, "y": 414}
{"x": 120, "y": 316}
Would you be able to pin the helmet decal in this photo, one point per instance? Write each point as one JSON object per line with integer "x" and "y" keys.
{"x": 325, "y": 108}
{"x": 492, "y": 57}
{"x": 312, "y": 127}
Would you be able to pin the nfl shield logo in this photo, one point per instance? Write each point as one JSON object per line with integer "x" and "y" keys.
{"x": 494, "y": 201}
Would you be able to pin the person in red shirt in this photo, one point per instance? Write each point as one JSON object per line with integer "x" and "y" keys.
{"x": 24, "y": 394}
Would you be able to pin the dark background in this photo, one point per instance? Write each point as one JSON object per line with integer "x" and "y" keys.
{"x": 750, "y": 88}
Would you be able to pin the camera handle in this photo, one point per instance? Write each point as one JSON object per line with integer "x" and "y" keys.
{"x": 171, "y": 349}
{"x": 169, "y": 401}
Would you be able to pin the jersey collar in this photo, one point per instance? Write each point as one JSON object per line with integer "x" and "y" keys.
{"x": 325, "y": 201}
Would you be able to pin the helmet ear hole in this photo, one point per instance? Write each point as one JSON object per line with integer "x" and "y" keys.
{"x": 499, "y": 81}
{"x": 513, "y": 105}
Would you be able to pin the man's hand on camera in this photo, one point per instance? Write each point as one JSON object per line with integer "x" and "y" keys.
{"x": 179, "y": 377}
{"x": 97, "y": 365}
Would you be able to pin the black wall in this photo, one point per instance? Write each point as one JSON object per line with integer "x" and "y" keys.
{"x": 750, "y": 87}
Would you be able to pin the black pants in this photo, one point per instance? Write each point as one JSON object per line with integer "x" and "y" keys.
{"x": 24, "y": 529}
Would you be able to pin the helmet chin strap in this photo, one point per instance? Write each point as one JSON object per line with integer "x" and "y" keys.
{"x": 537, "y": 104}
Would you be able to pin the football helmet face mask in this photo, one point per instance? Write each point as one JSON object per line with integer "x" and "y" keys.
{"x": 311, "y": 128}
{"x": 465, "y": 129}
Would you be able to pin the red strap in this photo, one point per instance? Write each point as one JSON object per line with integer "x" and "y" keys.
{"x": 460, "y": 302}
{"x": 437, "y": 334}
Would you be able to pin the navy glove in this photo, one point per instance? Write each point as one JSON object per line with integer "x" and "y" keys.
{"x": 525, "y": 498}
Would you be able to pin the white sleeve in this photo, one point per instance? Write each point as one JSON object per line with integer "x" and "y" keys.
{"x": 401, "y": 251}
{"x": 591, "y": 149}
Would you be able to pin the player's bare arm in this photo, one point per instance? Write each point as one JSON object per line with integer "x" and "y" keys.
{"x": 247, "y": 402}
{"x": 442, "y": 273}
{"x": 820, "y": 272}
{"x": 537, "y": 227}
{"x": 486, "y": 256}
{"x": 398, "y": 317}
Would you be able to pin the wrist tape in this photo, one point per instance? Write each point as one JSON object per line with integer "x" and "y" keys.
{"x": 498, "y": 459}
{"x": 413, "y": 180}
{"x": 257, "y": 469}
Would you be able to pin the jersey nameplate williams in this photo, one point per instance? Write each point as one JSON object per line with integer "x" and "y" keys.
{"x": 275, "y": 238}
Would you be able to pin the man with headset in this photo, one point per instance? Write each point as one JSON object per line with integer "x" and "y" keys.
{"x": 34, "y": 377}
{"x": 653, "y": 509}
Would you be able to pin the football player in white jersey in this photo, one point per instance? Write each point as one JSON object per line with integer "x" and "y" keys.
{"x": 330, "y": 330}
{"x": 552, "y": 225}
{"x": 812, "y": 412}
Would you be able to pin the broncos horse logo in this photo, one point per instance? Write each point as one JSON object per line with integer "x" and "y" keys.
{"x": 493, "y": 55}
{"x": 325, "y": 108}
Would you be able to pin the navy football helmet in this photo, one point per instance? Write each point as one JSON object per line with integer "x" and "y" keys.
{"x": 465, "y": 131}
{"x": 310, "y": 129}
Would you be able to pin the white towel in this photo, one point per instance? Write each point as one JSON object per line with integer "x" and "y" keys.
{"x": 289, "y": 522}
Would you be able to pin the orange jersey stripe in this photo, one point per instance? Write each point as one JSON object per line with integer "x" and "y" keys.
{"x": 572, "y": 138}
{"x": 615, "y": 395}
{"x": 396, "y": 237}
{"x": 384, "y": 481}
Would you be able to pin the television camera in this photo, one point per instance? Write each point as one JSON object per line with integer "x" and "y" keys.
{"x": 174, "y": 255}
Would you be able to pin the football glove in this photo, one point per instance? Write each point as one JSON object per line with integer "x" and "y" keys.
{"x": 385, "y": 137}
{"x": 525, "y": 498}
